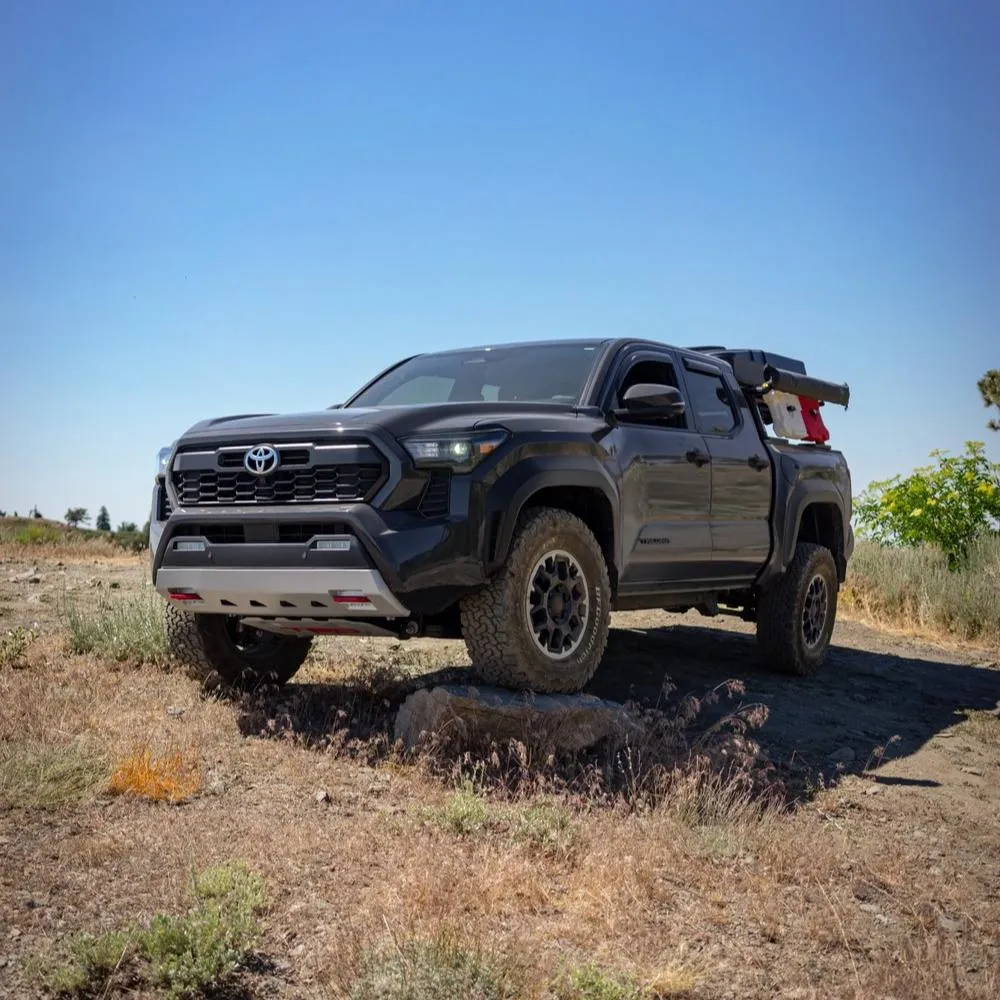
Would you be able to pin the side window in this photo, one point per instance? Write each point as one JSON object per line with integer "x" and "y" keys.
{"x": 710, "y": 403}
{"x": 658, "y": 373}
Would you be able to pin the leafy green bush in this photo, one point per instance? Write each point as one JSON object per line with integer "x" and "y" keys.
{"x": 127, "y": 627}
{"x": 914, "y": 586}
{"x": 185, "y": 955}
{"x": 132, "y": 541}
{"x": 947, "y": 505}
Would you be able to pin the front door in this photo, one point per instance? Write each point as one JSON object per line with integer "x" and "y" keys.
{"x": 666, "y": 480}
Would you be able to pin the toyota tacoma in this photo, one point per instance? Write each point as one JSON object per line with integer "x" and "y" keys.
{"x": 514, "y": 496}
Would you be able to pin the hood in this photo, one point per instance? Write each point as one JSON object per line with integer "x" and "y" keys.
{"x": 399, "y": 421}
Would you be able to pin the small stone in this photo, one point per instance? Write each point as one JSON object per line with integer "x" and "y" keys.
{"x": 948, "y": 925}
{"x": 868, "y": 908}
{"x": 176, "y": 710}
{"x": 15, "y": 932}
{"x": 873, "y": 790}
{"x": 972, "y": 770}
{"x": 322, "y": 796}
{"x": 216, "y": 787}
{"x": 843, "y": 756}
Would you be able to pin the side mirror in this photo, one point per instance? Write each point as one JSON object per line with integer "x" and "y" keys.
{"x": 646, "y": 401}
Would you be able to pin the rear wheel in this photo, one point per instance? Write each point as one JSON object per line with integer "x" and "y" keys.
{"x": 219, "y": 651}
{"x": 795, "y": 617}
{"x": 542, "y": 623}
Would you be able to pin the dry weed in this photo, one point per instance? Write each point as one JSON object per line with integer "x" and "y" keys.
{"x": 171, "y": 778}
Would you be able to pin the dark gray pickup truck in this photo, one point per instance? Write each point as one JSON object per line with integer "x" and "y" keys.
{"x": 512, "y": 495}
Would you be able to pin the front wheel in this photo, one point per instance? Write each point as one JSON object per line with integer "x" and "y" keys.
{"x": 542, "y": 622}
{"x": 219, "y": 651}
{"x": 795, "y": 617}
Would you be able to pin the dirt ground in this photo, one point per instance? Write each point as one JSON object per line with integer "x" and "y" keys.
{"x": 882, "y": 881}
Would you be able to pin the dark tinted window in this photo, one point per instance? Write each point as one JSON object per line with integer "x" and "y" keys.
{"x": 656, "y": 373}
{"x": 710, "y": 403}
{"x": 552, "y": 373}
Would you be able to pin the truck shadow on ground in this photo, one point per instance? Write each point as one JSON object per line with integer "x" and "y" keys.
{"x": 863, "y": 709}
{"x": 829, "y": 724}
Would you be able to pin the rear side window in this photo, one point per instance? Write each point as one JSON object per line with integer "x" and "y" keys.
{"x": 710, "y": 403}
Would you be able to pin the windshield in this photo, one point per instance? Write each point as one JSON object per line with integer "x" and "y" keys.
{"x": 550, "y": 373}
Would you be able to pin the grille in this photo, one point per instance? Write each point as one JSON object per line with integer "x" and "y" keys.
{"x": 289, "y": 456}
{"x": 319, "y": 484}
{"x": 437, "y": 493}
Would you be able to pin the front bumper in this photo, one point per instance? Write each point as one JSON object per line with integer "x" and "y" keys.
{"x": 405, "y": 565}
{"x": 312, "y": 592}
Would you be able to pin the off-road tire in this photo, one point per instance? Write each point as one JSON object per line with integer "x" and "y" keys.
{"x": 495, "y": 624}
{"x": 202, "y": 645}
{"x": 781, "y": 631}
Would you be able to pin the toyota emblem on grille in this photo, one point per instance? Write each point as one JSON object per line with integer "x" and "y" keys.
{"x": 261, "y": 460}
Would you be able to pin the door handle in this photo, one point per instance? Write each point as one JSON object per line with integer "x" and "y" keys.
{"x": 758, "y": 463}
{"x": 697, "y": 457}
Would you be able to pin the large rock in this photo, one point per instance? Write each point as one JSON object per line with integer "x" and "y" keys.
{"x": 468, "y": 713}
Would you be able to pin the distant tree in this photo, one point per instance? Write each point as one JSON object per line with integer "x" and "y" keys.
{"x": 103, "y": 522}
{"x": 35, "y": 513}
{"x": 76, "y": 516}
{"x": 3, "y": 513}
{"x": 126, "y": 526}
{"x": 989, "y": 389}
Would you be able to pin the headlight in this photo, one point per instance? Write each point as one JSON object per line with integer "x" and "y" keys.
{"x": 460, "y": 452}
{"x": 162, "y": 457}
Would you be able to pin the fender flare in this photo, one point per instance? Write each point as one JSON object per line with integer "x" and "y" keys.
{"x": 804, "y": 495}
{"x": 512, "y": 491}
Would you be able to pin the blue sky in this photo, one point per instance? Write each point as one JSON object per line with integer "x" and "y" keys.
{"x": 209, "y": 208}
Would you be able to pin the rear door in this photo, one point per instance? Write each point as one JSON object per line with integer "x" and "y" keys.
{"x": 666, "y": 481}
{"x": 741, "y": 474}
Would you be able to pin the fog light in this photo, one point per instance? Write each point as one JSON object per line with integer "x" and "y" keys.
{"x": 189, "y": 546}
{"x": 333, "y": 544}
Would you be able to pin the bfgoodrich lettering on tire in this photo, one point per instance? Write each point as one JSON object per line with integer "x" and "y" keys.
{"x": 219, "y": 652}
{"x": 542, "y": 622}
{"x": 795, "y": 618}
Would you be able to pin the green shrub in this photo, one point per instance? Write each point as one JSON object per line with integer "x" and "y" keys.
{"x": 914, "y": 586}
{"x": 184, "y": 955}
{"x": 589, "y": 982}
{"x": 14, "y": 644}
{"x": 131, "y": 541}
{"x": 544, "y": 824}
{"x": 38, "y": 534}
{"x": 125, "y": 627}
{"x": 439, "y": 969}
{"x": 948, "y": 505}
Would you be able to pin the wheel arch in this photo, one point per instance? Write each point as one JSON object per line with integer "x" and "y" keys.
{"x": 585, "y": 492}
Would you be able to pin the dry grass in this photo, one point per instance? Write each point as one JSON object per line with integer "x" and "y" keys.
{"x": 30, "y": 538}
{"x": 913, "y": 587}
{"x": 170, "y": 778}
{"x": 40, "y": 775}
{"x": 670, "y": 868}
{"x": 983, "y": 726}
